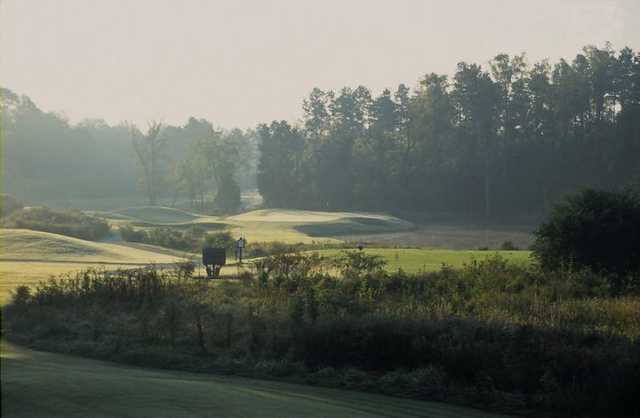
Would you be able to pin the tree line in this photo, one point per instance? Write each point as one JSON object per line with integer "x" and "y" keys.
{"x": 507, "y": 140}
{"x": 47, "y": 159}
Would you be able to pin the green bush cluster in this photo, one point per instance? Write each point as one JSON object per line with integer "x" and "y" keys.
{"x": 191, "y": 239}
{"x": 70, "y": 222}
{"x": 599, "y": 230}
{"x": 492, "y": 334}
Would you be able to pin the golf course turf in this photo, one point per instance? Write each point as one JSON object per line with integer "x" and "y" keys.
{"x": 38, "y": 384}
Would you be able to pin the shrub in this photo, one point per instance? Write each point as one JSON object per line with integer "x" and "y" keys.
{"x": 69, "y": 222}
{"x": 128, "y": 233}
{"x": 594, "y": 229}
{"x": 220, "y": 240}
{"x": 509, "y": 246}
{"x": 192, "y": 239}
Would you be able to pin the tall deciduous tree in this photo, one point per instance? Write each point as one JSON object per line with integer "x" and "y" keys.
{"x": 148, "y": 148}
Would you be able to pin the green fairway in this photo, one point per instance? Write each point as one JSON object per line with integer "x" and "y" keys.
{"x": 413, "y": 260}
{"x": 294, "y": 226}
{"x": 38, "y": 384}
{"x": 266, "y": 225}
{"x": 156, "y": 214}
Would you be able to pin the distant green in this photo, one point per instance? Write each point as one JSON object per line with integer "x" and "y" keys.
{"x": 413, "y": 260}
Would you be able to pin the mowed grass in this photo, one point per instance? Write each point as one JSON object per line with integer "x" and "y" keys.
{"x": 19, "y": 273}
{"x": 157, "y": 214}
{"x": 27, "y": 245}
{"x": 28, "y": 257}
{"x": 38, "y": 384}
{"x": 301, "y": 226}
{"x": 265, "y": 225}
{"x": 413, "y": 260}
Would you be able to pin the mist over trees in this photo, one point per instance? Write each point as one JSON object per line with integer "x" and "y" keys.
{"x": 507, "y": 140}
{"x": 48, "y": 160}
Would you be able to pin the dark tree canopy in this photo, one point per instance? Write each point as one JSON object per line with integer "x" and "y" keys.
{"x": 595, "y": 229}
{"x": 504, "y": 142}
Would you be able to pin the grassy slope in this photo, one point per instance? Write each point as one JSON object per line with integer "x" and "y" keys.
{"x": 27, "y": 257}
{"x": 157, "y": 214}
{"x": 290, "y": 226}
{"x": 37, "y": 384}
{"x": 293, "y": 226}
{"x": 47, "y": 247}
{"x": 414, "y": 260}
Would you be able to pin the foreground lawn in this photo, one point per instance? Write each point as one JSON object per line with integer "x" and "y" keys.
{"x": 413, "y": 260}
{"x": 38, "y": 384}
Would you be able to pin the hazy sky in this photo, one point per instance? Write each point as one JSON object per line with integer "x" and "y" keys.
{"x": 238, "y": 63}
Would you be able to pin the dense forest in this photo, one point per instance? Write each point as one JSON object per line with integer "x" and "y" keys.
{"x": 507, "y": 140}
{"x": 46, "y": 159}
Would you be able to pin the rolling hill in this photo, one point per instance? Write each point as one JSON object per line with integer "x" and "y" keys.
{"x": 27, "y": 257}
{"x": 27, "y": 245}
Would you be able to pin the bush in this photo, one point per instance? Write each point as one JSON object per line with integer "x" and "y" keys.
{"x": 130, "y": 234}
{"x": 509, "y": 246}
{"x": 594, "y": 229}
{"x": 69, "y": 222}
{"x": 220, "y": 240}
{"x": 192, "y": 239}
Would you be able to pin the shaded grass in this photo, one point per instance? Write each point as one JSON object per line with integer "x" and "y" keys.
{"x": 157, "y": 214}
{"x": 21, "y": 244}
{"x": 54, "y": 385}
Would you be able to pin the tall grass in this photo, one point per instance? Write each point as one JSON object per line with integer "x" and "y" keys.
{"x": 491, "y": 334}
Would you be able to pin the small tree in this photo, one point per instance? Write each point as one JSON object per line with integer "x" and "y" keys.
{"x": 220, "y": 240}
{"x": 595, "y": 229}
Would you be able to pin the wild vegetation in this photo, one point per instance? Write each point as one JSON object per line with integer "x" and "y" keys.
{"x": 507, "y": 141}
{"x": 73, "y": 223}
{"x": 492, "y": 334}
{"x": 192, "y": 239}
